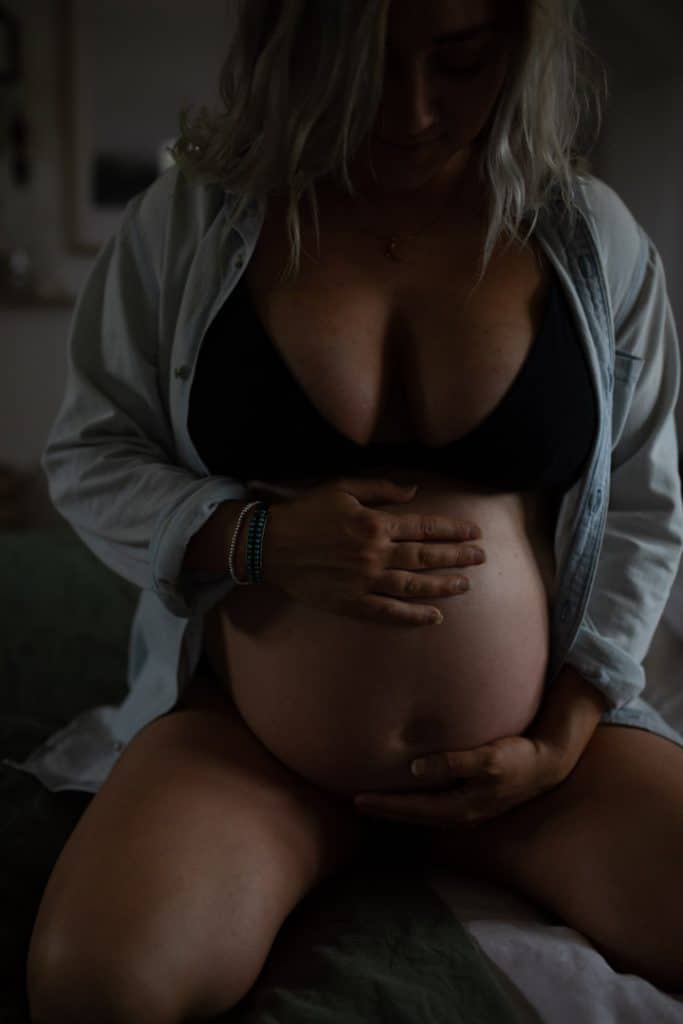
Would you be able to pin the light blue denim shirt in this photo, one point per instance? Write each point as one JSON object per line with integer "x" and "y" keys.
{"x": 124, "y": 473}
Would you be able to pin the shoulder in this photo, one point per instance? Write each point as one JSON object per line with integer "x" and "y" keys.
{"x": 623, "y": 245}
{"x": 173, "y": 212}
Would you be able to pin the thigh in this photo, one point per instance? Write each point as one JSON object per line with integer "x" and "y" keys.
{"x": 178, "y": 875}
{"x": 603, "y": 851}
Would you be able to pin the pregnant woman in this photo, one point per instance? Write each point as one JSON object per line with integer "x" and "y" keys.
{"x": 477, "y": 335}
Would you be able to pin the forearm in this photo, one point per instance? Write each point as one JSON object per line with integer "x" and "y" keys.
{"x": 568, "y": 716}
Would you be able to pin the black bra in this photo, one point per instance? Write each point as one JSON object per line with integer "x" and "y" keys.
{"x": 249, "y": 417}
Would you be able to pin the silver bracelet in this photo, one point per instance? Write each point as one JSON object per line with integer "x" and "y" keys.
{"x": 233, "y": 544}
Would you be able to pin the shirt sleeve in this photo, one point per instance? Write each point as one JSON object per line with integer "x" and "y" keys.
{"x": 110, "y": 458}
{"x": 643, "y": 539}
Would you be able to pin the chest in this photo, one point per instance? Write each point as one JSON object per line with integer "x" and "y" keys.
{"x": 404, "y": 351}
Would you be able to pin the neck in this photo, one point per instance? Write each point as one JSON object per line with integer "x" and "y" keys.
{"x": 454, "y": 188}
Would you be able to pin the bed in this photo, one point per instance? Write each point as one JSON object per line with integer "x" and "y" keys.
{"x": 369, "y": 944}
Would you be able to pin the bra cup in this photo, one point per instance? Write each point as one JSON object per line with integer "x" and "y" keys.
{"x": 539, "y": 435}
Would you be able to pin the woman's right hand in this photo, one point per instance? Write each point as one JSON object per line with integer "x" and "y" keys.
{"x": 328, "y": 550}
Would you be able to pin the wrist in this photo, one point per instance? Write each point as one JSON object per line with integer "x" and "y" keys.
{"x": 555, "y": 763}
{"x": 567, "y": 719}
{"x": 270, "y": 553}
{"x": 240, "y": 557}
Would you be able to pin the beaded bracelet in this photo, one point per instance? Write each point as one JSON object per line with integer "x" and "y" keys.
{"x": 257, "y": 528}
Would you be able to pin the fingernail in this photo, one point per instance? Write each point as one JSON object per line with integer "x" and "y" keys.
{"x": 418, "y": 767}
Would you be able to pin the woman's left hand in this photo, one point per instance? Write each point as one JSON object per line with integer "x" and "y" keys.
{"x": 472, "y": 786}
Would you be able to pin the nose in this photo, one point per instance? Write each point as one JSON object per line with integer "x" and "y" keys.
{"x": 411, "y": 107}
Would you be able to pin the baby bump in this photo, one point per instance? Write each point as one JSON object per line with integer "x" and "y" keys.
{"x": 349, "y": 703}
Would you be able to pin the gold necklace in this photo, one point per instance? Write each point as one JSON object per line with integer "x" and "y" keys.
{"x": 392, "y": 243}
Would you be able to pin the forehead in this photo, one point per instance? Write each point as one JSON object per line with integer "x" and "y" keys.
{"x": 414, "y": 25}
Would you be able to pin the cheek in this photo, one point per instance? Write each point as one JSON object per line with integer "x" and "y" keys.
{"x": 470, "y": 108}
{"x": 469, "y": 117}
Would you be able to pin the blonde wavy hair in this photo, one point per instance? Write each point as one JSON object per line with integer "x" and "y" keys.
{"x": 301, "y": 85}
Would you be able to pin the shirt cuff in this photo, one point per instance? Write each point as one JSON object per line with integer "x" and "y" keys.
{"x": 187, "y": 593}
{"x": 608, "y": 667}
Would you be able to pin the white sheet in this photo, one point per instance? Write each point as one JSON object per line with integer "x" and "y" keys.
{"x": 551, "y": 972}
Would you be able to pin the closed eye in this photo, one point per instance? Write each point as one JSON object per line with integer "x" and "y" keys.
{"x": 467, "y": 66}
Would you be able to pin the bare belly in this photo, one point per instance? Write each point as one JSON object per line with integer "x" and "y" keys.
{"x": 348, "y": 704}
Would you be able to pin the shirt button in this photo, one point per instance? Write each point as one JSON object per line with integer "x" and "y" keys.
{"x": 118, "y": 745}
{"x": 183, "y": 372}
{"x": 239, "y": 262}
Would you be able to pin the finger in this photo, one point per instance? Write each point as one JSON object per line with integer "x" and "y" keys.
{"x": 431, "y": 803}
{"x": 451, "y": 765}
{"x": 431, "y": 527}
{"x": 434, "y": 808}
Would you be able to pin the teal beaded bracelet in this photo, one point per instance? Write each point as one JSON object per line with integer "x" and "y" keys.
{"x": 257, "y": 528}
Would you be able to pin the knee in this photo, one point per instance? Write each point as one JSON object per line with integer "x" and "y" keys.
{"x": 65, "y": 985}
{"x": 78, "y": 983}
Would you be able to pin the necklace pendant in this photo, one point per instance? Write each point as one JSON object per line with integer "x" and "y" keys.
{"x": 391, "y": 250}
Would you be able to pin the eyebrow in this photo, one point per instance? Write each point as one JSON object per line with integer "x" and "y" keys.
{"x": 465, "y": 33}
